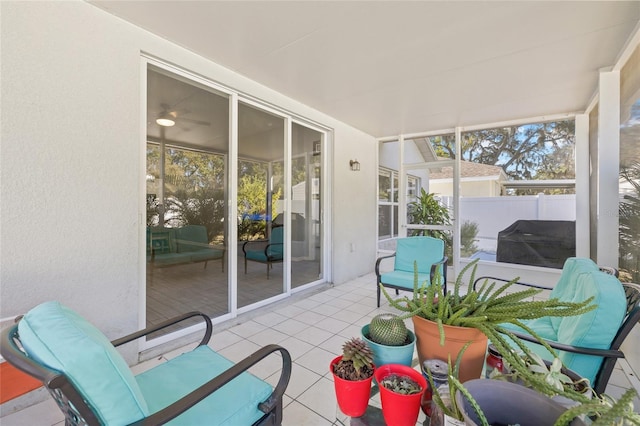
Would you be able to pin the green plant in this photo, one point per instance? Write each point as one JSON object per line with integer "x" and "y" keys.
{"x": 356, "y": 362}
{"x": 444, "y": 396}
{"x": 404, "y": 385}
{"x": 605, "y": 411}
{"x": 388, "y": 329}
{"x": 488, "y": 309}
{"x": 428, "y": 211}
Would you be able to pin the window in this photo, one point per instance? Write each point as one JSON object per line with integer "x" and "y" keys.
{"x": 517, "y": 193}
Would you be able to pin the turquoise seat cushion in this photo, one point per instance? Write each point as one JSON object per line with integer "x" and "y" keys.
{"x": 595, "y": 329}
{"x": 403, "y": 279}
{"x": 206, "y": 254}
{"x": 59, "y": 338}
{"x": 275, "y": 250}
{"x": 236, "y": 403}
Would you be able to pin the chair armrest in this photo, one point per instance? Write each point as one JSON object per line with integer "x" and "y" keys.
{"x": 251, "y": 242}
{"x": 188, "y": 401}
{"x": 378, "y": 263}
{"x": 266, "y": 249}
{"x": 432, "y": 273}
{"x": 542, "y": 287}
{"x": 611, "y": 353}
{"x": 138, "y": 334}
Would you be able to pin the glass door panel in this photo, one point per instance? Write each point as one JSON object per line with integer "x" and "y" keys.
{"x": 187, "y": 146}
{"x": 306, "y": 208}
{"x": 260, "y": 205}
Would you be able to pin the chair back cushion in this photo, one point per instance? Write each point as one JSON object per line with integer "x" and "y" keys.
{"x": 59, "y": 338}
{"x": 580, "y": 279}
{"x": 424, "y": 250}
{"x": 276, "y": 249}
{"x": 192, "y": 238}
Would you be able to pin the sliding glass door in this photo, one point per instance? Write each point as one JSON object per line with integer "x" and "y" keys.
{"x": 186, "y": 176}
{"x": 261, "y": 226}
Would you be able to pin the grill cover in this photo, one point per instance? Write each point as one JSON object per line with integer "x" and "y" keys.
{"x": 545, "y": 243}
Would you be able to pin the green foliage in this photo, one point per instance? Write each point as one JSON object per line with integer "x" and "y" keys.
{"x": 488, "y": 309}
{"x": 426, "y": 210}
{"x": 388, "y": 329}
{"x": 530, "y": 151}
{"x": 468, "y": 233}
{"x": 605, "y": 411}
{"x": 403, "y": 385}
{"x": 629, "y": 212}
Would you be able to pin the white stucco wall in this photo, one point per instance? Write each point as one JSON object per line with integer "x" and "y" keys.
{"x": 71, "y": 163}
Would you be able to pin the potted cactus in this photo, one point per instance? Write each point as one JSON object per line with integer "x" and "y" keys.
{"x": 401, "y": 390}
{"x": 445, "y": 321}
{"x": 389, "y": 339}
{"x": 352, "y": 375}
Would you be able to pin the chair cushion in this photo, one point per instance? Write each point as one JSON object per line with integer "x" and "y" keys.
{"x": 424, "y": 250}
{"x": 403, "y": 279}
{"x": 59, "y": 338}
{"x": 236, "y": 403}
{"x": 191, "y": 237}
{"x": 595, "y": 329}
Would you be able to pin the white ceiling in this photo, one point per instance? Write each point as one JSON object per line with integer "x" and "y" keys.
{"x": 390, "y": 67}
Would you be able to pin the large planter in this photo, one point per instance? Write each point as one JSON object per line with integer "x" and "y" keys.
{"x": 509, "y": 403}
{"x": 428, "y": 346}
{"x": 398, "y": 409}
{"x": 352, "y": 395}
{"x": 383, "y": 354}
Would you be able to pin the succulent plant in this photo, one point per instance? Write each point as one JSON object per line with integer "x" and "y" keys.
{"x": 388, "y": 329}
{"x": 356, "y": 362}
{"x": 404, "y": 385}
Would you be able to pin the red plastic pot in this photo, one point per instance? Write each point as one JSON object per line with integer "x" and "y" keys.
{"x": 398, "y": 409}
{"x": 353, "y": 396}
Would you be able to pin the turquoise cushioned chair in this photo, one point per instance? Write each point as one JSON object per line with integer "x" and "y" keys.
{"x": 92, "y": 383}
{"x": 269, "y": 253}
{"x": 587, "y": 344}
{"x": 427, "y": 252}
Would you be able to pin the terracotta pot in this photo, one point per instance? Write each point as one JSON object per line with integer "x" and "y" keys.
{"x": 428, "y": 346}
{"x": 398, "y": 409}
{"x": 352, "y": 395}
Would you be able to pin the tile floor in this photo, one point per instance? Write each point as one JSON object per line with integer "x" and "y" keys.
{"x": 313, "y": 330}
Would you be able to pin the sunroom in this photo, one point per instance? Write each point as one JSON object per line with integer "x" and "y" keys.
{"x": 325, "y": 120}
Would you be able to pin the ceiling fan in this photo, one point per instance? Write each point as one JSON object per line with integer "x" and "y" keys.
{"x": 169, "y": 117}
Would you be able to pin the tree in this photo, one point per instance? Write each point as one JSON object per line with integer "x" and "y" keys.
{"x": 531, "y": 151}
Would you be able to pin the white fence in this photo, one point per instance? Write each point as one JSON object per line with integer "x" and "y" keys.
{"x": 493, "y": 214}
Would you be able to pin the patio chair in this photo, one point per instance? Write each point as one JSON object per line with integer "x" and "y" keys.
{"x": 93, "y": 385}
{"x": 265, "y": 251}
{"x": 428, "y": 252}
{"x": 588, "y": 344}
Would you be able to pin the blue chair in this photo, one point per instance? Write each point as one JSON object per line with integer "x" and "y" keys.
{"x": 428, "y": 252}
{"x": 93, "y": 385}
{"x": 587, "y": 344}
{"x": 265, "y": 251}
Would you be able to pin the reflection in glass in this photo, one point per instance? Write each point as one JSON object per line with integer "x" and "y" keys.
{"x": 306, "y": 208}
{"x": 260, "y": 204}
{"x": 629, "y": 259}
{"x": 186, "y": 191}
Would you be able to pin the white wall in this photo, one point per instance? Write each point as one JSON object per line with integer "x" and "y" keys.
{"x": 71, "y": 151}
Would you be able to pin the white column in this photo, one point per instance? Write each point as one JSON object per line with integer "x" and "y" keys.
{"x": 583, "y": 237}
{"x": 608, "y": 168}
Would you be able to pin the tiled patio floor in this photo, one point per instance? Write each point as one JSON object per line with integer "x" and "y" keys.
{"x": 313, "y": 330}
